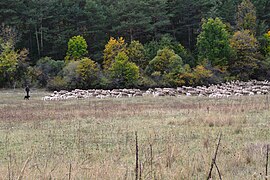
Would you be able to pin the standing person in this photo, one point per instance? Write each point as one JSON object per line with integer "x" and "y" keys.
{"x": 27, "y": 89}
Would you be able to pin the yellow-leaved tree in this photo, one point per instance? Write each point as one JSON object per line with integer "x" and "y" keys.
{"x": 112, "y": 48}
{"x": 88, "y": 72}
{"x": 9, "y": 59}
{"x": 267, "y": 43}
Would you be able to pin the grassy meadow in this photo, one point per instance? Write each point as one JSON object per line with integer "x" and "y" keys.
{"x": 95, "y": 138}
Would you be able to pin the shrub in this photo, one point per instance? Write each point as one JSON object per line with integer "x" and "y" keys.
{"x": 165, "y": 67}
{"x": 196, "y": 76}
{"x": 47, "y": 69}
{"x": 122, "y": 72}
{"x": 56, "y": 84}
{"x": 71, "y": 77}
{"x": 88, "y": 72}
{"x": 266, "y": 43}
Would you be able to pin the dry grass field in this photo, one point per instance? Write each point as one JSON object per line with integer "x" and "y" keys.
{"x": 95, "y": 139}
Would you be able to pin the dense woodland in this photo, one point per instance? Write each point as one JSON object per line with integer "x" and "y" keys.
{"x": 67, "y": 44}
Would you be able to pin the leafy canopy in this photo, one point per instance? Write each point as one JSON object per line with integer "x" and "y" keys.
{"x": 213, "y": 43}
{"x": 112, "y": 49}
{"x": 123, "y": 72}
{"x": 164, "y": 62}
{"x": 136, "y": 53}
{"x": 88, "y": 72}
{"x": 47, "y": 68}
{"x": 246, "y": 47}
{"x": 195, "y": 76}
{"x": 77, "y": 48}
{"x": 266, "y": 47}
{"x": 165, "y": 66}
{"x": 9, "y": 60}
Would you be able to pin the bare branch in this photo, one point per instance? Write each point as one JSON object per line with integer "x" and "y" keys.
{"x": 214, "y": 158}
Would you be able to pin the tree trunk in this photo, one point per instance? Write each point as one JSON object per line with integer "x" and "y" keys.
{"x": 41, "y": 37}
{"x": 131, "y": 34}
{"x": 37, "y": 42}
{"x": 189, "y": 38}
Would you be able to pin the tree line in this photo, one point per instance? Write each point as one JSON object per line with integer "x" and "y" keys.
{"x": 66, "y": 44}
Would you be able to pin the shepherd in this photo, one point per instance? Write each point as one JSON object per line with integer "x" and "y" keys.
{"x": 27, "y": 89}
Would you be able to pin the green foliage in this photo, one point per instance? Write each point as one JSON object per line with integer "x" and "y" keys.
{"x": 226, "y": 10}
{"x": 196, "y": 76}
{"x": 186, "y": 55}
{"x": 31, "y": 74}
{"x": 57, "y": 83}
{"x": 246, "y": 16}
{"x": 164, "y": 62}
{"x": 262, "y": 72}
{"x": 246, "y": 47}
{"x": 88, "y": 72}
{"x": 122, "y": 72}
{"x": 151, "y": 49}
{"x": 266, "y": 44}
{"x": 166, "y": 41}
{"x": 130, "y": 18}
{"x": 153, "y": 46}
{"x": 71, "y": 77}
{"x": 46, "y": 69}
{"x": 186, "y": 18}
{"x": 112, "y": 49}
{"x": 136, "y": 54}
{"x": 146, "y": 81}
{"x": 84, "y": 74}
{"x": 9, "y": 60}
{"x": 48, "y": 25}
{"x": 169, "y": 42}
{"x": 13, "y": 65}
{"x": 77, "y": 48}
{"x": 44, "y": 28}
{"x": 165, "y": 66}
{"x": 159, "y": 17}
{"x": 21, "y": 76}
{"x": 201, "y": 75}
{"x": 213, "y": 43}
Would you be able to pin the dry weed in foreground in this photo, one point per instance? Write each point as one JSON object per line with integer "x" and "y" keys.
{"x": 94, "y": 139}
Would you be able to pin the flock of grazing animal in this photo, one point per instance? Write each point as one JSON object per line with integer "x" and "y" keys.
{"x": 223, "y": 90}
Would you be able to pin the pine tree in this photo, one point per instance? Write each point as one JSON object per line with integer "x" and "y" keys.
{"x": 246, "y": 17}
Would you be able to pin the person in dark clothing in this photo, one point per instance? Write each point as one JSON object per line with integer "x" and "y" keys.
{"x": 27, "y": 89}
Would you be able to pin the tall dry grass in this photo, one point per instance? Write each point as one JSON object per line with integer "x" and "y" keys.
{"x": 95, "y": 139}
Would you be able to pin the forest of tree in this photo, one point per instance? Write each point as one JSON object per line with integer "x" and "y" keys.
{"x": 66, "y": 44}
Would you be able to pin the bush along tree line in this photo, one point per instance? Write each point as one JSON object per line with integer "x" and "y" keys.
{"x": 146, "y": 43}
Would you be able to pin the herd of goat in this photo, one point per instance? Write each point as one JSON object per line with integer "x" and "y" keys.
{"x": 223, "y": 90}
